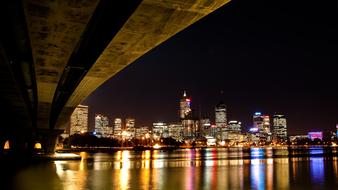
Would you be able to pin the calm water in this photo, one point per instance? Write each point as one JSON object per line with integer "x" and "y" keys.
{"x": 184, "y": 169}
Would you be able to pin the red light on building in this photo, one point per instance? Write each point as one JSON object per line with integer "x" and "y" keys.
{"x": 188, "y": 100}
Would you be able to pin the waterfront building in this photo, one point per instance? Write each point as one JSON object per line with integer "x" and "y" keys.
{"x": 130, "y": 123}
{"x": 142, "y": 132}
{"x": 221, "y": 121}
{"x": 188, "y": 128}
{"x": 204, "y": 126}
{"x": 266, "y": 124}
{"x": 295, "y": 138}
{"x": 279, "y": 127}
{"x": 176, "y": 131}
{"x": 102, "y": 128}
{"x": 234, "y": 127}
{"x": 160, "y": 129}
{"x": 79, "y": 120}
{"x": 315, "y": 135}
{"x": 212, "y": 131}
{"x": 117, "y": 132}
{"x": 130, "y": 127}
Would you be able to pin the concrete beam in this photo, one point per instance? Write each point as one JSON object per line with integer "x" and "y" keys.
{"x": 152, "y": 23}
{"x": 55, "y": 28}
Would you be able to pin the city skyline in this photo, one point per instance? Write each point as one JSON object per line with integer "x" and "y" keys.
{"x": 284, "y": 63}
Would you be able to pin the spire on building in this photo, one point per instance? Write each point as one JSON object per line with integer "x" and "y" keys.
{"x": 184, "y": 94}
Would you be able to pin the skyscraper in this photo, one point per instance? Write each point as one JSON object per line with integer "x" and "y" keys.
{"x": 79, "y": 120}
{"x": 234, "y": 127}
{"x": 130, "y": 127}
{"x": 221, "y": 120}
{"x": 266, "y": 123}
{"x": 258, "y": 121}
{"x": 117, "y": 127}
{"x": 279, "y": 127}
{"x": 102, "y": 128}
{"x": 185, "y": 107}
{"x": 130, "y": 123}
{"x": 262, "y": 125}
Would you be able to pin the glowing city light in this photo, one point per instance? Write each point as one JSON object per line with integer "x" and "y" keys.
{"x": 156, "y": 146}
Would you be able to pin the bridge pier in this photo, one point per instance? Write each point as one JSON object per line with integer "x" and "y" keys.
{"x": 21, "y": 143}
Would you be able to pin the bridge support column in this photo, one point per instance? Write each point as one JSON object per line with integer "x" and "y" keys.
{"x": 49, "y": 139}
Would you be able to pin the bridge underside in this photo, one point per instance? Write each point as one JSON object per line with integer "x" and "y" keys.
{"x": 53, "y": 54}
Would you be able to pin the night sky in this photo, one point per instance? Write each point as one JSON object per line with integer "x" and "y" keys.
{"x": 268, "y": 56}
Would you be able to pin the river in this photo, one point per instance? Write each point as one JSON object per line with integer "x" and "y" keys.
{"x": 208, "y": 168}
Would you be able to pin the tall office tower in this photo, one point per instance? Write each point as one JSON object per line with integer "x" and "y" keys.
{"x": 176, "y": 130}
{"x": 204, "y": 126}
{"x": 160, "y": 129}
{"x": 130, "y": 127}
{"x": 189, "y": 128}
{"x": 79, "y": 120}
{"x": 185, "y": 107}
{"x": 221, "y": 120}
{"x": 258, "y": 121}
{"x": 102, "y": 128}
{"x": 266, "y": 123}
{"x": 235, "y": 127}
{"x": 117, "y": 127}
{"x": 280, "y": 127}
{"x": 130, "y": 123}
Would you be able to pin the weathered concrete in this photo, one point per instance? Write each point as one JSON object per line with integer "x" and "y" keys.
{"x": 152, "y": 23}
{"x": 55, "y": 28}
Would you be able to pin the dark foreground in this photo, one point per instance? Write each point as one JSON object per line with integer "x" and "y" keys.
{"x": 209, "y": 168}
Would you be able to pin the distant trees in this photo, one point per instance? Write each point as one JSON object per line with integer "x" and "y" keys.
{"x": 89, "y": 140}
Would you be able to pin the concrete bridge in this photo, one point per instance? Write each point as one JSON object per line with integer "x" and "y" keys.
{"x": 54, "y": 53}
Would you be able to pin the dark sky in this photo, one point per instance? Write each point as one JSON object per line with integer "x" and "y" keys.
{"x": 268, "y": 56}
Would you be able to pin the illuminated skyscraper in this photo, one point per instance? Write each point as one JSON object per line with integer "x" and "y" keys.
{"x": 79, "y": 120}
{"x": 102, "y": 128}
{"x": 117, "y": 127}
{"x": 130, "y": 127}
{"x": 185, "y": 107}
{"x": 130, "y": 123}
{"x": 234, "y": 126}
{"x": 221, "y": 120}
{"x": 258, "y": 121}
{"x": 160, "y": 129}
{"x": 279, "y": 127}
{"x": 266, "y": 123}
{"x": 176, "y": 131}
{"x": 262, "y": 125}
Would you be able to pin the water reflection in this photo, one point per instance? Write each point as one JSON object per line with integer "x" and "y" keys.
{"x": 183, "y": 169}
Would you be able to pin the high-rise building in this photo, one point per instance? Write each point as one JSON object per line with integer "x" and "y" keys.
{"x": 234, "y": 127}
{"x": 185, "y": 107}
{"x": 102, "y": 128}
{"x": 142, "y": 132}
{"x": 130, "y": 123}
{"x": 160, "y": 129}
{"x": 79, "y": 120}
{"x": 204, "y": 126}
{"x": 188, "y": 128}
{"x": 258, "y": 121}
{"x": 117, "y": 127}
{"x": 176, "y": 131}
{"x": 130, "y": 128}
{"x": 221, "y": 120}
{"x": 266, "y": 124}
{"x": 279, "y": 127}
